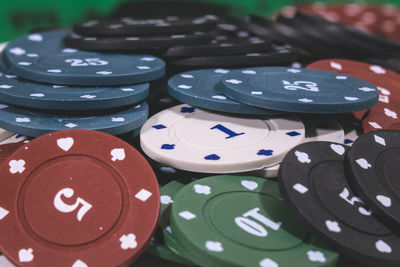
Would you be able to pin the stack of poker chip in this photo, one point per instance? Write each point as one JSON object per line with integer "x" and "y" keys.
{"x": 268, "y": 143}
{"x": 184, "y": 42}
{"x": 46, "y": 86}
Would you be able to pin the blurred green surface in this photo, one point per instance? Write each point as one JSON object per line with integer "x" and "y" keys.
{"x": 21, "y": 16}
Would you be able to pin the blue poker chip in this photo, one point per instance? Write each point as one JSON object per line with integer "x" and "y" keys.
{"x": 299, "y": 90}
{"x": 35, "y": 123}
{"x": 198, "y": 88}
{"x": 42, "y": 57}
{"x": 21, "y": 92}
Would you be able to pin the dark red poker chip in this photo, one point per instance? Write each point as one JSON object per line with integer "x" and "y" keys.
{"x": 7, "y": 149}
{"x": 385, "y": 114}
{"x": 77, "y": 198}
{"x": 383, "y": 117}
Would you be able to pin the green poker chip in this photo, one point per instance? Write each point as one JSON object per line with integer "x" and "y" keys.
{"x": 167, "y": 193}
{"x": 161, "y": 251}
{"x": 231, "y": 220}
{"x": 156, "y": 246}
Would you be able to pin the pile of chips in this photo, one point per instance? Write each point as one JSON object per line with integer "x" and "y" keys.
{"x": 265, "y": 142}
{"x": 46, "y": 86}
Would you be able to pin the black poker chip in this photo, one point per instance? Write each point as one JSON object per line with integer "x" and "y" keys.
{"x": 271, "y": 57}
{"x": 129, "y": 26}
{"x": 161, "y": 8}
{"x": 352, "y": 38}
{"x": 313, "y": 182}
{"x": 135, "y": 42}
{"x": 373, "y": 167}
{"x": 311, "y": 39}
{"x": 220, "y": 46}
{"x": 287, "y": 33}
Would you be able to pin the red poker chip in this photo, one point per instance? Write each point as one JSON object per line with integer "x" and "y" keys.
{"x": 7, "y": 149}
{"x": 383, "y": 115}
{"x": 77, "y": 198}
{"x": 10, "y": 145}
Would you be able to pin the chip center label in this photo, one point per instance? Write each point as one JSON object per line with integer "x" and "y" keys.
{"x": 255, "y": 221}
{"x": 218, "y": 132}
{"x": 74, "y": 210}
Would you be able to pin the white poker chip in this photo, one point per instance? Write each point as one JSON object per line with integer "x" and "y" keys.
{"x": 318, "y": 128}
{"x": 4, "y": 262}
{"x": 268, "y": 172}
{"x": 192, "y": 139}
{"x": 2, "y": 46}
{"x": 4, "y": 134}
{"x": 15, "y": 138}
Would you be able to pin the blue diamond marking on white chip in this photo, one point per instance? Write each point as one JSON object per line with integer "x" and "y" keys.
{"x": 264, "y": 152}
{"x": 293, "y": 133}
{"x": 187, "y": 110}
{"x": 212, "y": 157}
{"x": 159, "y": 126}
{"x": 168, "y": 146}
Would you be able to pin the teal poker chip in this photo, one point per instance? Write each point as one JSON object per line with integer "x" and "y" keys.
{"x": 21, "y": 92}
{"x": 43, "y": 57}
{"x": 36, "y": 123}
{"x": 299, "y": 90}
{"x": 242, "y": 221}
{"x": 198, "y": 88}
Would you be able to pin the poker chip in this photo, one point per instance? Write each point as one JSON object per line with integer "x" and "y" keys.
{"x": 42, "y": 57}
{"x": 135, "y": 42}
{"x": 213, "y": 236}
{"x": 17, "y": 91}
{"x": 73, "y": 198}
{"x": 318, "y": 128}
{"x": 157, "y": 245}
{"x": 286, "y": 32}
{"x": 193, "y": 139}
{"x": 351, "y": 38}
{"x": 161, "y": 9}
{"x": 163, "y": 252}
{"x": 221, "y": 45}
{"x": 168, "y": 193}
{"x": 35, "y": 123}
{"x": 198, "y": 88}
{"x": 251, "y": 59}
{"x": 2, "y": 46}
{"x": 361, "y": 70}
{"x": 4, "y": 134}
{"x": 392, "y": 63}
{"x": 384, "y": 114}
{"x": 7, "y": 149}
{"x": 4, "y": 262}
{"x": 372, "y": 165}
{"x": 268, "y": 172}
{"x": 129, "y": 26}
{"x": 313, "y": 182}
{"x": 298, "y": 90}
{"x": 16, "y": 138}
